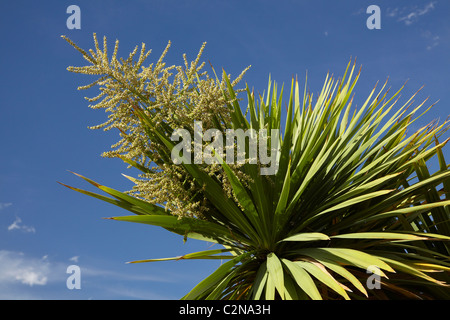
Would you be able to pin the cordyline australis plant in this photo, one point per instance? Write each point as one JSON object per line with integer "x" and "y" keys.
{"x": 353, "y": 191}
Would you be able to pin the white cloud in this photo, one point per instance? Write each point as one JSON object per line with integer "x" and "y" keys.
{"x": 74, "y": 259}
{"x": 31, "y": 278}
{"x": 16, "y": 268}
{"x": 359, "y": 12}
{"x": 25, "y": 277}
{"x": 392, "y": 13}
{"x": 433, "y": 40}
{"x": 410, "y": 15}
{"x": 434, "y": 43}
{"x": 16, "y": 225}
{"x": 414, "y": 13}
{"x": 4, "y": 205}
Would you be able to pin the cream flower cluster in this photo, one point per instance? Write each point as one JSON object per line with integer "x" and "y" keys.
{"x": 172, "y": 97}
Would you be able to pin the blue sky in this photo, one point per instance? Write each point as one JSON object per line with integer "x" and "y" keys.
{"x": 45, "y": 227}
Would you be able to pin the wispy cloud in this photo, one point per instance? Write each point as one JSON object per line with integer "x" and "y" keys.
{"x": 17, "y": 225}
{"x": 74, "y": 259}
{"x": 4, "y": 205}
{"x": 392, "y": 12}
{"x": 433, "y": 40}
{"x": 410, "y": 15}
{"x": 413, "y": 14}
{"x": 434, "y": 43}
{"x": 119, "y": 276}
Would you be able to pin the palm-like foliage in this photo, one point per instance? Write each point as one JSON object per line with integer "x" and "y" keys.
{"x": 353, "y": 192}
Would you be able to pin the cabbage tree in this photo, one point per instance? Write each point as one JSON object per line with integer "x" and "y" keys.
{"x": 351, "y": 209}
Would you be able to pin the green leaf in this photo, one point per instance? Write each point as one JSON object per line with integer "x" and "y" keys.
{"x": 243, "y": 198}
{"x": 290, "y": 291}
{"x": 120, "y": 203}
{"x": 213, "y": 279}
{"x": 428, "y": 235}
{"x": 275, "y": 270}
{"x": 125, "y": 200}
{"x": 416, "y": 209}
{"x": 260, "y": 281}
{"x": 348, "y": 256}
{"x": 355, "y": 200}
{"x": 303, "y": 279}
{"x": 319, "y": 272}
{"x": 238, "y": 119}
{"x": 344, "y": 273}
{"x": 149, "y": 208}
{"x": 307, "y": 236}
{"x": 284, "y": 160}
{"x": 379, "y": 235}
{"x": 207, "y": 254}
{"x": 281, "y": 215}
{"x": 352, "y": 191}
{"x": 186, "y": 226}
{"x": 443, "y": 168}
{"x": 218, "y": 291}
{"x": 270, "y": 288}
{"x": 400, "y": 266}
